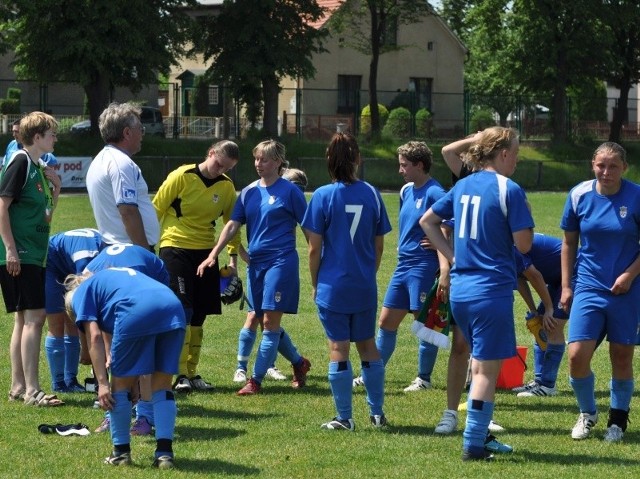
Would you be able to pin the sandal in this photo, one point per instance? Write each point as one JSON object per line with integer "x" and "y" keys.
{"x": 43, "y": 400}
{"x": 16, "y": 396}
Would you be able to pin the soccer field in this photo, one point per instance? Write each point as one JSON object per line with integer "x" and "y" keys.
{"x": 277, "y": 434}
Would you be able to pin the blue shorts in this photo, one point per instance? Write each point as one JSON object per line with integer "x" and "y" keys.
{"x": 275, "y": 286}
{"x": 488, "y": 327}
{"x": 409, "y": 287}
{"x": 353, "y": 327}
{"x": 147, "y": 354}
{"x": 54, "y": 290}
{"x": 595, "y": 314}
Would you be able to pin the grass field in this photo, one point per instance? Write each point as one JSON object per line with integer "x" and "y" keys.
{"x": 277, "y": 434}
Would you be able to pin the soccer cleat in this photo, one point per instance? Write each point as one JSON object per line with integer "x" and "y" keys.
{"x": 340, "y": 425}
{"x": 538, "y": 390}
{"x": 60, "y": 387}
{"x": 358, "y": 381}
{"x": 378, "y": 421}
{"x": 491, "y": 444}
{"x": 240, "y": 376}
{"x": 300, "y": 374}
{"x": 163, "y": 462}
{"x": 495, "y": 427}
{"x": 118, "y": 459}
{"x": 74, "y": 386}
{"x": 104, "y": 426}
{"x": 199, "y": 384}
{"x": 525, "y": 387}
{"x": 182, "y": 384}
{"x": 252, "y": 387}
{"x": 583, "y": 426}
{"x": 614, "y": 433}
{"x": 484, "y": 456}
{"x": 141, "y": 427}
{"x": 448, "y": 423}
{"x": 417, "y": 384}
{"x": 275, "y": 374}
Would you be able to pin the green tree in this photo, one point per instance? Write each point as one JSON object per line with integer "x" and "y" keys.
{"x": 372, "y": 26}
{"x": 261, "y": 43}
{"x": 99, "y": 45}
{"x": 6, "y": 14}
{"x": 557, "y": 44}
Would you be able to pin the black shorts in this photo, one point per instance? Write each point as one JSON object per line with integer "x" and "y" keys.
{"x": 25, "y": 291}
{"x": 201, "y": 294}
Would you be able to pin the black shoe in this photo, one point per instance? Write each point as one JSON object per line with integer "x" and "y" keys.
{"x": 483, "y": 456}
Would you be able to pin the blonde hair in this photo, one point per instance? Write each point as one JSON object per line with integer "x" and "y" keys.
{"x": 35, "y": 123}
{"x": 71, "y": 283}
{"x": 491, "y": 142}
{"x": 273, "y": 150}
{"x": 297, "y": 177}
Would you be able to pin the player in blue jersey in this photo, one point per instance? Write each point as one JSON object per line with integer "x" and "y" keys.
{"x": 346, "y": 222}
{"x": 491, "y": 215}
{"x": 69, "y": 253}
{"x": 143, "y": 325}
{"x": 602, "y": 216}
{"x": 541, "y": 268}
{"x": 140, "y": 259}
{"x": 271, "y": 207}
{"x": 417, "y": 265}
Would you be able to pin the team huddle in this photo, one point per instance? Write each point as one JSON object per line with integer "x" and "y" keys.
{"x": 138, "y": 317}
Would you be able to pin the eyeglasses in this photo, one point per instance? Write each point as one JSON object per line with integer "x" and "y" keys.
{"x": 139, "y": 127}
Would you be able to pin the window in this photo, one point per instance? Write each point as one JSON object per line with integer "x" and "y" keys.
{"x": 390, "y": 34}
{"x": 348, "y": 91}
{"x": 214, "y": 94}
{"x": 422, "y": 87}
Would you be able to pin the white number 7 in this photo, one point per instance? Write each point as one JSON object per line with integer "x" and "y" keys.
{"x": 356, "y": 210}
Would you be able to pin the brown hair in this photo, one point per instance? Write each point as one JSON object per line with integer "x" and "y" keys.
{"x": 343, "y": 158}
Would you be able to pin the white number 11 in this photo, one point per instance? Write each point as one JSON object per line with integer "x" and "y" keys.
{"x": 475, "y": 202}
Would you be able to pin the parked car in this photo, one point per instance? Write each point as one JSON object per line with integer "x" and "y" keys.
{"x": 150, "y": 117}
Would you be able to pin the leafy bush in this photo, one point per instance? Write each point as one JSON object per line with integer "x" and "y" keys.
{"x": 9, "y": 106}
{"x": 423, "y": 123}
{"x": 365, "y": 118}
{"x": 481, "y": 119}
{"x": 399, "y": 124}
{"x": 14, "y": 93}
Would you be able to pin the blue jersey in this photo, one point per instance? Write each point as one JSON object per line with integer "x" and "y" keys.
{"x": 414, "y": 202}
{"x": 48, "y": 158}
{"x": 609, "y": 229}
{"x": 127, "y": 304}
{"x": 271, "y": 214}
{"x": 70, "y": 252}
{"x": 132, "y": 256}
{"x": 544, "y": 255}
{"x": 348, "y": 217}
{"x": 488, "y": 208}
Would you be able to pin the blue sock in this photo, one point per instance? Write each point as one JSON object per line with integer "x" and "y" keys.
{"x": 54, "y": 348}
{"x": 386, "y": 343}
{"x": 71, "y": 358}
{"x": 538, "y": 361}
{"x": 340, "y": 380}
{"x": 246, "y": 340}
{"x": 479, "y": 414}
{"x": 373, "y": 377}
{"x": 427, "y": 354}
{"x": 584, "y": 390}
{"x": 145, "y": 409}
{"x": 165, "y": 412}
{"x": 267, "y": 353}
{"x": 121, "y": 418}
{"x": 551, "y": 364}
{"x": 621, "y": 392}
{"x": 287, "y": 348}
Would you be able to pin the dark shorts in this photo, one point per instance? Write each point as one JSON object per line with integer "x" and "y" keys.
{"x": 201, "y": 294}
{"x": 25, "y": 291}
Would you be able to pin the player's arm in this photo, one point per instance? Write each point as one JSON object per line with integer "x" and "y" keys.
{"x": 315, "y": 252}
{"x": 540, "y": 286}
{"x": 568, "y": 256}
{"x": 379, "y": 250}
{"x": 623, "y": 282}
{"x": 98, "y": 354}
{"x": 523, "y": 240}
{"x": 452, "y": 152}
{"x": 430, "y": 224}
{"x": 13, "y": 260}
{"x": 227, "y": 233}
{"x": 133, "y": 225}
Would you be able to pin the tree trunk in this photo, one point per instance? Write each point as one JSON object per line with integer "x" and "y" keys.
{"x": 97, "y": 98}
{"x": 270, "y": 92}
{"x": 373, "y": 73}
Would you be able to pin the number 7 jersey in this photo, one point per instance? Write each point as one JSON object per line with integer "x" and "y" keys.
{"x": 487, "y": 208}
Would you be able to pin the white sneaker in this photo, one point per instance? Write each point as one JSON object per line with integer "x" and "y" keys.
{"x": 417, "y": 384}
{"x": 495, "y": 427}
{"x": 448, "y": 423}
{"x": 275, "y": 374}
{"x": 358, "y": 381}
{"x": 614, "y": 433}
{"x": 525, "y": 387}
{"x": 240, "y": 376}
{"x": 538, "y": 390}
{"x": 583, "y": 426}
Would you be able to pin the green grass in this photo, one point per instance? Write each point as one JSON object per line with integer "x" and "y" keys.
{"x": 277, "y": 434}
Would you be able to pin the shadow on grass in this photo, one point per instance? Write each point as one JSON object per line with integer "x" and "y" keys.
{"x": 199, "y": 411}
{"x": 577, "y": 459}
{"x": 195, "y": 433}
{"x": 213, "y": 466}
